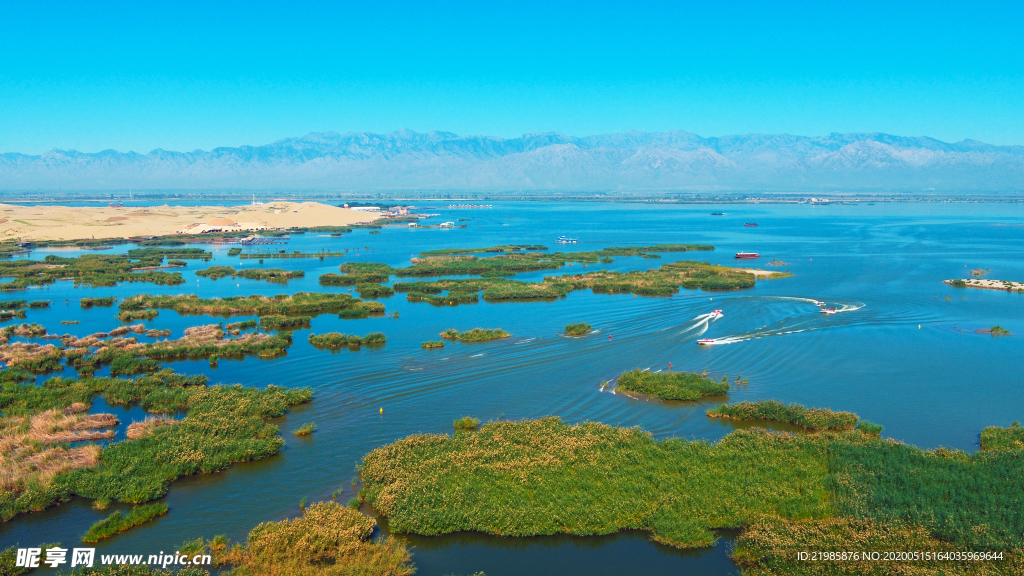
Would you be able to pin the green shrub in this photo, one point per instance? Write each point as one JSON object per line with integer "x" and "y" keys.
{"x": 132, "y": 315}
{"x": 578, "y": 329}
{"x": 869, "y": 427}
{"x": 90, "y": 302}
{"x": 39, "y": 304}
{"x": 276, "y": 322}
{"x": 306, "y": 429}
{"x": 999, "y": 438}
{"x": 467, "y": 423}
{"x": 433, "y": 344}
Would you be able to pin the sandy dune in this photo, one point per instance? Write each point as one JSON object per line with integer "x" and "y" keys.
{"x": 73, "y": 223}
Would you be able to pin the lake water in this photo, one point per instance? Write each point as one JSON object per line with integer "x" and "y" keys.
{"x": 900, "y": 353}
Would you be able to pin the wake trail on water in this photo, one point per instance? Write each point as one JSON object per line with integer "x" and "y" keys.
{"x": 812, "y": 320}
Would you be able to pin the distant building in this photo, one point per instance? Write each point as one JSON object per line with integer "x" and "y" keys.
{"x": 366, "y": 208}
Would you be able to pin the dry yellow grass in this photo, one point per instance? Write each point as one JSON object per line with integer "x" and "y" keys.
{"x": 26, "y": 452}
{"x": 146, "y": 427}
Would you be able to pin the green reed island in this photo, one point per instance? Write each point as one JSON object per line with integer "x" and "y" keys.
{"x": 117, "y": 522}
{"x": 140, "y": 265}
{"x": 474, "y": 335}
{"x": 670, "y": 385}
{"x": 275, "y": 275}
{"x": 224, "y": 424}
{"x": 786, "y": 492}
{"x": 809, "y": 418}
{"x": 337, "y": 340}
{"x": 578, "y": 329}
{"x": 301, "y": 303}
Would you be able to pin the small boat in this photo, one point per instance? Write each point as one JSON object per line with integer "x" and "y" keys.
{"x": 706, "y": 342}
{"x": 751, "y": 224}
{"x": 718, "y": 213}
{"x": 567, "y": 240}
{"x": 716, "y": 314}
{"x": 828, "y": 310}
{"x": 747, "y": 255}
{"x": 819, "y": 304}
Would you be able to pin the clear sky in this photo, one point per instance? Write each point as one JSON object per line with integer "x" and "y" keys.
{"x": 182, "y": 75}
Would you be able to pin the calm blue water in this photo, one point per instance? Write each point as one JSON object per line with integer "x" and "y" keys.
{"x": 900, "y": 354}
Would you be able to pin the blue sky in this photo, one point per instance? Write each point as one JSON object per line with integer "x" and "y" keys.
{"x": 184, "y": 75}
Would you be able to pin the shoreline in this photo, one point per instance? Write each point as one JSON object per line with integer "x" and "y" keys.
{"x": 1001, "y": 285}
{"x": 69, "y": 223}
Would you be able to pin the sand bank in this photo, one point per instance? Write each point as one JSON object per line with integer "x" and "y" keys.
{"x": 987, "y": 284}
{"x": 75, "y": 223}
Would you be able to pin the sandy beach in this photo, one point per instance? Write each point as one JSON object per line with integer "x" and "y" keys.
{"x": 989, "y": 284}
{"x": 74, "y": 223}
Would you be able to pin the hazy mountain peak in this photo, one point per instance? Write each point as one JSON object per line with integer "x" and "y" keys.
{"x": 632, "y": 159}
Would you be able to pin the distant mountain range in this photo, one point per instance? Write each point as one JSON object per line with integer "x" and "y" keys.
{"x": 628, "y": 161}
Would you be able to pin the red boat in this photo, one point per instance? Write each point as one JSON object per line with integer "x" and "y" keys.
{"x": 747, "y": 255}
{"x": 751, "y": 224}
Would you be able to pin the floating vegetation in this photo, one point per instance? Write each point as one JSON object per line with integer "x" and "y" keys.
{"x": 224, "y": 424}
{"x": 374, "y": 291}
{"x": 69, "y": 321}
{"x": 157, "y": 333}
{"x": 296, "y": 254}
{"x": 606, "y": 260}
{"x": 39, "y": 304}
{"x": 338, "y": 340}
{"x": 495, "y": 249}
{"x": 301, "y": 303}
{"x": 89, "y": 270}
{"x": 578, "y": 329}
{"x": 358, "y": 273}
{"x": 775, "y": 262}
{"x": 210, "y": 340}
{"x": 869, "y": 428}
{"x": 280, "y": 322}
{"x": 244, "y": 325}
{"x": 327, "y": 539}
{"x": 214, "y": 272}
{"x": 433, "y": 344}
{"x": 664, "y": 281}
{"x": 999, "y": 438}
{"x": 998, "y": 330}
{"x": 670, "y": 385}
{"x": 596, "y": 479}
{"x": 474, "y": 335}
{"x": 234, "y": 251}
{"x": 462, "y": 291}
{"x": 467, "y": 423}
{"x": 12, "y": 304}
{"x": 511, "y": 264}
{"x": 979, "y": 272}
{"x": 810, "y": 418}
{"x": 306, "y": 429}
{"x": 275, "y": 275}
{"x": 9, "y": 314}
{"x": 90, "y": 302}
{"x": 132, "y": 315}
{"x": 118, "y": 522}
{"x": 161, "y": 253}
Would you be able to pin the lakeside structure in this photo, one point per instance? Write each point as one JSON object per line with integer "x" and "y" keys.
{"x": 77, "y": 222}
